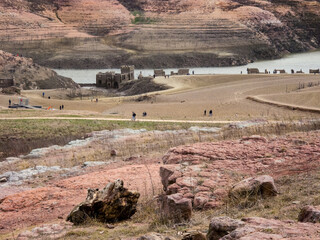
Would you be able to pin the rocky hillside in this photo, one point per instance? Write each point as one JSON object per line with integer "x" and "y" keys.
{"x": 155, "y": 33}
{"x": 28, "y": 75}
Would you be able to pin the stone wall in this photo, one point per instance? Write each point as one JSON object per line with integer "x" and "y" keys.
{"x": 183, "y": 71}
{"x": 159, "y": 72}
{"x": 6, "y": 82}
{"x": 253, "y": 70}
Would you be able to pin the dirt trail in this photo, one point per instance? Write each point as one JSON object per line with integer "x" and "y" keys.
{"x": 119, "y": 119}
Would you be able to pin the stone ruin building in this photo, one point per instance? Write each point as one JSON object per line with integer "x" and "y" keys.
{"x": 6, "y": 81}
{"x": 253, "y": 71}
{"x": 281, "y": 71}
{"x": 115, "y": 80}
{"x": 161, "y": 72}
{"x": 314, "y": 71}
{"x": 183, "y": 71}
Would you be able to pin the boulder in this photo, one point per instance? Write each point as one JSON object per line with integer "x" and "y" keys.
{"x": 175, "y": 207}
{"x": 194, "y": 236}
{"x": 3, "y": 179}
{"x": 221, "y": 226}
{"x": 253, "y": 187}
{"x": 113, "y": 153}
{"x": 154, "y": 236}
{"x": 47, "y": 231}
{"x": 168, "y": 176}
{"x": 111, "y": 204}
{"x": 309, "y": 214}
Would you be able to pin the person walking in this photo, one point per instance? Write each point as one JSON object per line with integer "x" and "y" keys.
{"x": 210, "y": 113}
{"x": 62, "y": 106}
{"x": 205, "y": 112}
{"x": 9, "y": 102}
{"x": 134, "y": 116}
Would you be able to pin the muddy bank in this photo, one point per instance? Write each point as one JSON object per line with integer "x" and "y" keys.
{"x": 15, "y": 146}
{"x": 88, "y": 53}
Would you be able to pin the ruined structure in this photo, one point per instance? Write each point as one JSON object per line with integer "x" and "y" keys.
{"x": 159, "y": 72}
{"x": 184, "y": 71}
{"x": 314, "y": 71}
{"x": 114, "y": 80}
{"x": 6, "y": 81}
{"x": 281, "y": 71}
{"x": 253, "y": 70}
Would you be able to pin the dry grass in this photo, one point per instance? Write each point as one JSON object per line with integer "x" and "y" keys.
{"x": 279, "y": 128}
{"x": 21, "y": 136}
{"x": 295, "y": 192}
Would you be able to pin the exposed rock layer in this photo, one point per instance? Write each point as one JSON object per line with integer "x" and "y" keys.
{"x": 173, "y": 33}
{"x": 28, "y": 75}
{"x": 225, "y": 228}
{"x": 204, "y": 172}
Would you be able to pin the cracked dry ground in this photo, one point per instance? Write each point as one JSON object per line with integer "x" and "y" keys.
{"x": 203, "y": 170}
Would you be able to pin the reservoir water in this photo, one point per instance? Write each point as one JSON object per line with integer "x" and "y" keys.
{"x": 302, "y": 61}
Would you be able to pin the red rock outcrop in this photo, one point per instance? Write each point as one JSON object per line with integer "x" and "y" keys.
{"x": 204, "y": 172}
{"x": 225, "y": 228}
{"x": 261, "y": 186}
{"x": 175, "y": 207}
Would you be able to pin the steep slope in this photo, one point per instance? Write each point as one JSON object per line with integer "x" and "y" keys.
{"x": 155, "y": 33}
{"x": 28, "y": 75}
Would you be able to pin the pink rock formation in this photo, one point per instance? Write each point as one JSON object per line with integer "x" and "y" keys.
{"x": 260, "y": 228}
{"x": 175, "y": 207}
{"x": 254, "y": 187}
{"x": 310, "y": 214}
{"x": 204, "y": 172}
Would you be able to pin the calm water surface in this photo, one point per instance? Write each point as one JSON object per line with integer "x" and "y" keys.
{"x": 303, "y": 61}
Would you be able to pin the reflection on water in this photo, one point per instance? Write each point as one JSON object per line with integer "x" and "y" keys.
{"x": 303, "y": 61}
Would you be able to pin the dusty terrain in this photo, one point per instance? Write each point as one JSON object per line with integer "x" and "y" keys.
{"x": 54, "y": 195}
{"x": 189, "y": 96}
{"x": 100, "y": 33}
{"x": 43, "y": 185}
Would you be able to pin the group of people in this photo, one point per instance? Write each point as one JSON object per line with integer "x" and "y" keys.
{"x": 61, "y": 107}
{"x": 205, "y": 113}
{"x": 134, "y": 115}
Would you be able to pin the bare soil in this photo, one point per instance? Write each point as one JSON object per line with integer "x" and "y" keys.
{"x": 187, "y": 99}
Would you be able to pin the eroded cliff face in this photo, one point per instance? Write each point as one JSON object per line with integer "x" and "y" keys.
{"x": 28, "y": 75}
{"x": 157, "y": 33}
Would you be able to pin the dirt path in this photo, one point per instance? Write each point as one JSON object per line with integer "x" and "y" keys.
{"x": 119, "y": 119}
